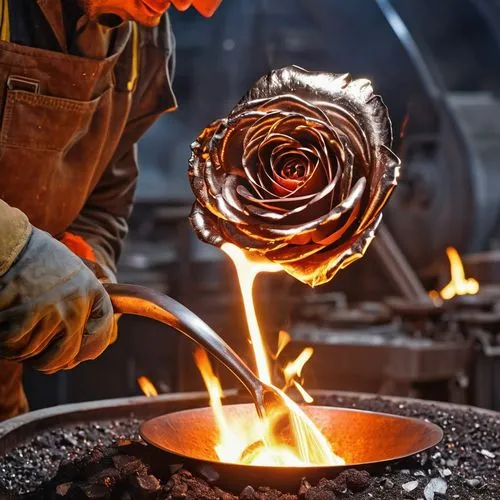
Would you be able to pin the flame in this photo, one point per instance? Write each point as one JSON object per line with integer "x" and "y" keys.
{"x": 283, "y": 340}
{"x": 147, "y": 387}
{"x": 435, "y": 296}
{"x": 305, "y": 395}
{"x": 230, "y": 444}
{"x": 258, "y": 443}
{"x": 294, "y": 369}
{"x": 458, "y": 285}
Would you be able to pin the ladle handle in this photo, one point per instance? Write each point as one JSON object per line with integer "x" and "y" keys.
{"x": 142, "y": 301}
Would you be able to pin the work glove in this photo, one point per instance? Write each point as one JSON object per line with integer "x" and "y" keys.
{"x": 54, "y": 311}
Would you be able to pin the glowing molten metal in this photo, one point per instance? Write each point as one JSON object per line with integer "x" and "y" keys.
{"x": 259, "y": 442}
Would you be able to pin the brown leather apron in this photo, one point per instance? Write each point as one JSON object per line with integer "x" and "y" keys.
{"x": 63, "y": 117}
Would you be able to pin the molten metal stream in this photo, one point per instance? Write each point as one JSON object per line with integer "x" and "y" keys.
{"x": 285, "y": 436}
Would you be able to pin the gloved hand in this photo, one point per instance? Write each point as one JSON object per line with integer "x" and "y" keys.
{"x": 54, "y": 311}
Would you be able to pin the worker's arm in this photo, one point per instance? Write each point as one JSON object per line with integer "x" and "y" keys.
{"x": 102, "y": 222}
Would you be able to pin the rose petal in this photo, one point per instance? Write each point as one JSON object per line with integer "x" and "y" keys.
{"x": 321, "y": 267}
{"x": 347, "y": 124}
{"x": 333, "y": 232}
{"x": 230, "y": 193}
{"x": 321, "y": 89}
{"x": 227, "y": 147}
{"x": 253, "y": 242}
{"x": 388, "y": 171}
{"x": 276, "y": 204}
{"x": 214, "y": 178}
{"x": 205, "y": 225}
{"x": 284, "y": 162}
{"x": 260, "y": 129}
{"x": 287, "y": 103}
{"x": 294, "y": 252}
{"x": 347, "y": 174}
{"x": 299, "y": 204}
{"x": 296, "y": 81}
{"x": 272, "y": 231}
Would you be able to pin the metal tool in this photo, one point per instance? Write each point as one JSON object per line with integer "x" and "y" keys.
{"x": 148, "y": 303}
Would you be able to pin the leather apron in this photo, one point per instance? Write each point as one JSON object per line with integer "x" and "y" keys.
{"x": 62, "y": 119}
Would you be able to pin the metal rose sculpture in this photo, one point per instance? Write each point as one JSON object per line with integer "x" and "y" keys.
{"x": 297, "y": 173}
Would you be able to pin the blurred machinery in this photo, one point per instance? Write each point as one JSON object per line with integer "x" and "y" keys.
{"x": 437, "y": 65}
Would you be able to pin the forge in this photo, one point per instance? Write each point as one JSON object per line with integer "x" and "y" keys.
{"x": 94, "y": 450}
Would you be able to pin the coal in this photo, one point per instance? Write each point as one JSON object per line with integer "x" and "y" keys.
{"x": 108, "y": 460}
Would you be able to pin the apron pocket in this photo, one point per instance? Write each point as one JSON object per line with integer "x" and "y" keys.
{"x": 45, "y": 123}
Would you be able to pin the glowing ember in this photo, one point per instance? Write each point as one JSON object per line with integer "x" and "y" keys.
{"x": 459, "y": 284}
{"x": 258, "y": 443}
{"x": 147, "y": 387}
{"x": 435, "y": 296}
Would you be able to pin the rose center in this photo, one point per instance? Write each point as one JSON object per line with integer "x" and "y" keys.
{"x": 294, "y": 171}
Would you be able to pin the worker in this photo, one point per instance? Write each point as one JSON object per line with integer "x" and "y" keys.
{"x": 80, "y": 83}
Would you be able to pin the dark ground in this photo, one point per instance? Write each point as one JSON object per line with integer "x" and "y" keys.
{"x": 105, "y": 461}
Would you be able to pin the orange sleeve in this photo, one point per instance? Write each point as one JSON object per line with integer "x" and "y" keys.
{"x": 78, "y": 246}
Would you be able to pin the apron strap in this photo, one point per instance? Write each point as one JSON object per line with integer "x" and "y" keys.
{"x": 4, "y": 21}
{"x": 134, "y": 68}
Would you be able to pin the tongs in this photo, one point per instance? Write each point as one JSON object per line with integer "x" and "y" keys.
{"x": 148, "y": 303}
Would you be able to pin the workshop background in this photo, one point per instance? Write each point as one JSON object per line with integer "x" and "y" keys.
{"x": 437, "y": 66}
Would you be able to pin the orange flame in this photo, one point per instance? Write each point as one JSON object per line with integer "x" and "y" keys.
{"x": 147, "y": 387}
{"x": 230, "y": 444}
{"x": 305, "y": 395}
{"x": 283, "y": 340}
{"x": 459, "y": 284}
{"x": 294, "y": 369}
{"x": 256, "y": 444}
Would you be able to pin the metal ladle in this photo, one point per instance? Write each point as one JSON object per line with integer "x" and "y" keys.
{"x": 148, "y": 303}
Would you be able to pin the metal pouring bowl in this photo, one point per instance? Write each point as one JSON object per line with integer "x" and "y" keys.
{"x": 363, "y": 439}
